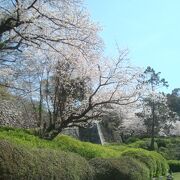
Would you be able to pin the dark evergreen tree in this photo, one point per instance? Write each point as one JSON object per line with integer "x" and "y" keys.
{"x": 153, "y": 80}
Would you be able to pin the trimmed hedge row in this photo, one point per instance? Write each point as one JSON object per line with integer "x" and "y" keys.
{"x": 85, "y": 149}
{"x": 20, "y": 163}
{"x": 168, "y": 147}
{"x": 60, "y": 143}
{"x": 125, "y": 168}
{"x": 155, "y": 162}
{"x": 22, "y": 153}
{"x": 174, "y": 165}
{"x": 144, "y": 144}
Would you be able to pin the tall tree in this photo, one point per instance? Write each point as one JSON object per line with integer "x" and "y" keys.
{"x": 75, "y": 95}
{"x": 59, "y": 62}
{"x": 31, "y": 29}
{"x": 153, "y": 81}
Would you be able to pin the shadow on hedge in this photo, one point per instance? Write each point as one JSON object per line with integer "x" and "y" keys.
{"x": 20, "y": 163}
{"x": 123, "y": 168}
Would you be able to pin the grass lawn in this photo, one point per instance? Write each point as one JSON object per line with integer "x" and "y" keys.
{"x": 176, "y": 176}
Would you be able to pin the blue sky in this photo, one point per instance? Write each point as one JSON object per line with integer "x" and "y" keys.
{"x": 150, "y": 29}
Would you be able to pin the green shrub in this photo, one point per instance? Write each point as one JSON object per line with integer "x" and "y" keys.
{"x": 169, "y": 147}
{"x": 118, "y": 147}
{"x": 136, "y": 144}
{"x": 132, "y": 140}
{"x": 61, "y": 142}
{"x": 125, "y": 168}
{"x": 154, "y": 161}
{"x": 22, "y": 163}
{"x": 162, "y": 142}
{"x": 174, "y": 165}
{"x": 144, "y": 144}
{"x": 85, "y": 149}
{"x": 162, "y": 165}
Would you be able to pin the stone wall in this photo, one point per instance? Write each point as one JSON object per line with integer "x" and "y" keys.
{"x": 14, "y": 114}
{"x": 89, "y": 134}
{"x": 92, "y": 134}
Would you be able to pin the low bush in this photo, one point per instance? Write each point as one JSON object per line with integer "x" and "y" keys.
{"x": 85, "y": 149}
{"x": 125, "y": 168}
{"x": 21, "y": 163}
{"x": 40, "y": 152}
{"x": 174, "y": 165}
{"x": 132, "y": 140}
{"x": 169, "y": 147}
{"x": 162, "y": 142}
{"x": 144, "y": 144}
{"x": 118, "y": 147}
{"x": 162, "y": 165}
{"x": 164, "y": 152}
{"x": 154, "y": 161}
{"x": 61, "y": 142}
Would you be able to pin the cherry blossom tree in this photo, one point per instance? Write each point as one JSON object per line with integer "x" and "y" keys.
{"x": 60, "y": 64}
{"x": 75, "y": 92}
{"x": 79, "y": 95}
{"x": 30, "y": 28}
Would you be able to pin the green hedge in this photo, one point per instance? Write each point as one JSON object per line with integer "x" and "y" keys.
{"x": 174, "y": 165}
{"x": 144, "y": 144}
{"x": 22, "y": 163}
{"x": 61, "y": 142}
{"x": 155, "y": 162}
{"x": 169, "y": 147}
{"x": 125, "y": 168}
{"x": 31, "y": 152}
{"x": 85, "y": 149}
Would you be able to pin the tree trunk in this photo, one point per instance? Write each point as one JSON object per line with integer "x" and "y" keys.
{"x": 40, "y": 106}
{"x": 153, "y": 126}
{"x": 50, "y": 133}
